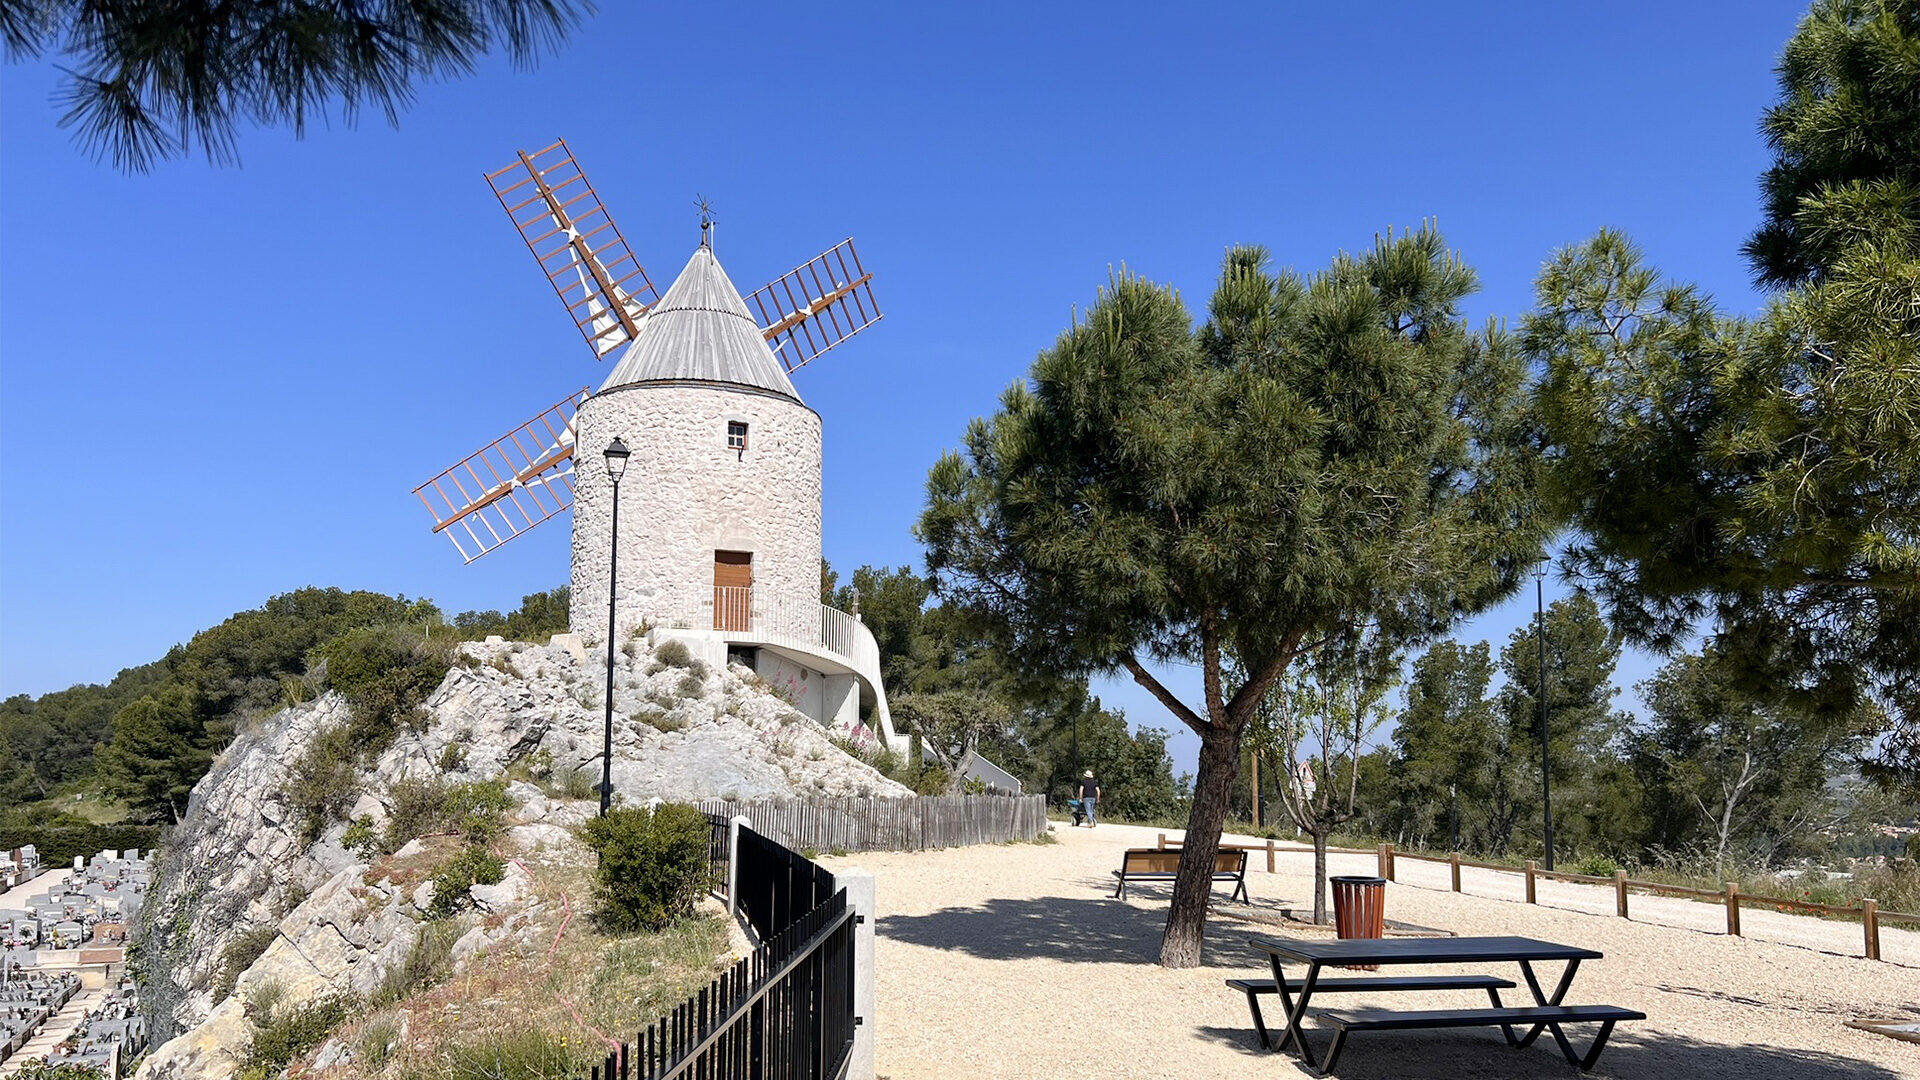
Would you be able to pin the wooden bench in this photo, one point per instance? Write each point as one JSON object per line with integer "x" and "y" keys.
{"x": 1253, "y": 988}
{"x": 1147, "y": 864}
{"x": 1550, "y": 1017}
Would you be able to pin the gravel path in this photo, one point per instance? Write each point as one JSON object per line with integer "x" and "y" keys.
{"x": 1014, "y": 961}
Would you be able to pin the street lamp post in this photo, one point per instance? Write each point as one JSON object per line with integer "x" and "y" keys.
{"x": 1546, "y": 779}
{"x": 616, "y": 456}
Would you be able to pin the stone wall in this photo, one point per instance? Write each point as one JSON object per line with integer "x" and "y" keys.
{"x": 685, "y": 495}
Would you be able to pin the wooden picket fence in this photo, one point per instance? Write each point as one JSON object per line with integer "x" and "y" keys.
{"x": 870, "y": 824}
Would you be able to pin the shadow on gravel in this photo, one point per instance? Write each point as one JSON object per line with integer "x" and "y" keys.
{"x": 1102, "y": 931}
{"x": 1452, "y": 1055}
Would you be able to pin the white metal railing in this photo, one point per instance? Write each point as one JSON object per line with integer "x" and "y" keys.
{"x": 799, "y": 620}
{"x": 802, "y": 623}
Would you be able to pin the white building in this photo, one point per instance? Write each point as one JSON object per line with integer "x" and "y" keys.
{"x": 719, "y": 529}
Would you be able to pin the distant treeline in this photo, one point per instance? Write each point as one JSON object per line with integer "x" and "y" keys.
{"x": 149, "y": 735}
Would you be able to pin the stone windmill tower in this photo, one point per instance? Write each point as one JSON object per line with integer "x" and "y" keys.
{"x": 719, "y": 504}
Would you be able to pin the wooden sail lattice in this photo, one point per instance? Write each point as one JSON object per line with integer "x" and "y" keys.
{"x": 526, "y": 476}
{"x": 512, "y": 484}
{"x": 587, "y": 262}
{"x": 816, "y": 305}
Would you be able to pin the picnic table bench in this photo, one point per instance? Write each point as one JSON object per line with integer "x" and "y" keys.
{"x": 1150, "y": 864}
{"x": 1546, "y": 1014}
{"x": 1255, "y": 988}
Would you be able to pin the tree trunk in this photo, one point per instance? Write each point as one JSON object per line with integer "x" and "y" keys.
{"x": 1193, "y": 884}
{"x": 1320, "y": 878}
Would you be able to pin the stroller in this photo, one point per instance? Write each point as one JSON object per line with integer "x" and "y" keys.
{"x": 1079, "y": 812}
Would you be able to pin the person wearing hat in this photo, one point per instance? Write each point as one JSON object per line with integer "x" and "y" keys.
{"x": 1089, "y": 794}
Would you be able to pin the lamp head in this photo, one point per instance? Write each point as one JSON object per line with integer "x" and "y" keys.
{"x": 616, "y": 455}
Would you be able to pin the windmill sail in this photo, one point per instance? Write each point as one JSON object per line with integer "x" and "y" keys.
{"x": 512, "y": 484}
{"x": 816, "y": 306}
{"x": 559, "y": 215}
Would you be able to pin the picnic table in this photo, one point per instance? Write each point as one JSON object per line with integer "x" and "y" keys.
{"x": 1546, "y": 1014}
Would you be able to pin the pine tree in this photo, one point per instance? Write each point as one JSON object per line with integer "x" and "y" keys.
{"x": 1584, "y": 731}
{"x": 159, "y": 751}
{"x": 1443, "y": 747}
{"x": 1761, "y": 478}
{"x": 1735, "y": 771}
{"x": 1320, "y": 455}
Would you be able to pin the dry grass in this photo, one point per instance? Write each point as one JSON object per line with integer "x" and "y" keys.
{"x": 521, "y": 1012}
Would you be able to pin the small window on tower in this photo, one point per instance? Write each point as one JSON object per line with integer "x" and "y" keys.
{"x": 737, "y": 436}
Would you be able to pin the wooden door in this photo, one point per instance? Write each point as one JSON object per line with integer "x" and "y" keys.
{"x": 733, "y": 590}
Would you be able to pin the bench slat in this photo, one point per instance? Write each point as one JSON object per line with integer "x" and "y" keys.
{"x": 1362, "y": 985}
{"x": 1393, "y": 1020}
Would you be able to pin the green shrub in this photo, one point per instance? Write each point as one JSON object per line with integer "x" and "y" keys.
{"x": 662, "y": 720}
{"x": 430, "y": 962}
{"x": 476, "y": 810}
{"x": 931, "y": 779}
{"x": 379, "y": 1037}
{"x": 474, "y": 865}
{"x": 573, "y": 784}
{"x": 361, "y": 838}
{"x": 267, "y": 997}
{"x": 385, "y": 673}
{"x": 653, "y": 867}
{"x": 673, "y": 654}
{"x": 65, "y": 836}
{"x": 519, "y": 1053}
{"x": 692, "y": 684}
{"x": 1596, "y": 866}
{"x": 238, "y": 956}
{"x": 322, "y": 782}
{"x": 452, "y": 756}
{"x": 285, "y": 1033}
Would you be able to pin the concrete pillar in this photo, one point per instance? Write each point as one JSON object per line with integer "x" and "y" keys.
{"x": 733, "y": 860}
{"x": 859, "y": 886}
{"x": 840, "y": 702}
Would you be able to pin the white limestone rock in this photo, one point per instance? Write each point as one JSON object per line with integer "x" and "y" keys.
{"x": 239, "y": 852}
{"x": 510, "y": 893}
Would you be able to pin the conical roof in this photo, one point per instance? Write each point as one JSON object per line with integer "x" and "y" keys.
{"x": 701, "y": 330}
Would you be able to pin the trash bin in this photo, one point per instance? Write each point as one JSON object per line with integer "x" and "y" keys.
{"x": 1360, "y": 910}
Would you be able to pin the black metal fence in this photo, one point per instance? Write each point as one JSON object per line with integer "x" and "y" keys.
{"x": 785, "y": 1012}
{"x": 719, "y": 849}
{"x": 777, "y": 884}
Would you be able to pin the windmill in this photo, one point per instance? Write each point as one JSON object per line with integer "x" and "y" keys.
{"x": 525, "y": 477}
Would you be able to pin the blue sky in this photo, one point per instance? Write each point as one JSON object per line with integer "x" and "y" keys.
{"x": 217, "y": 384}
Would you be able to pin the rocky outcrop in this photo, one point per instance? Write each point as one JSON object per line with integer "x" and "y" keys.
{"x": 238, "y": 861}
{"x": 343, "y": 939}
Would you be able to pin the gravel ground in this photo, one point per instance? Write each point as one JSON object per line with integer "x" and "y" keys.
{"x": 1014, "y": 961}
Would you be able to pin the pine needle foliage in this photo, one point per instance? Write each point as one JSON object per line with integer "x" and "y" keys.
{"x": 1323, "y": 453}
{"x": 1760, "y": 478}
{"x": 146, "y": 80}
{"x": 1849, "y": 112}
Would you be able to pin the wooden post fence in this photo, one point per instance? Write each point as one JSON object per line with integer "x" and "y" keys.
{"x": 1868, "y": 911}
